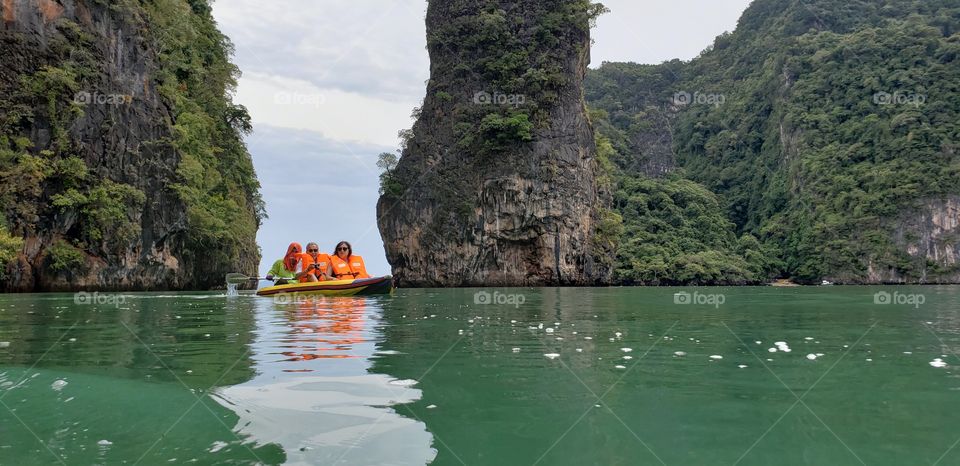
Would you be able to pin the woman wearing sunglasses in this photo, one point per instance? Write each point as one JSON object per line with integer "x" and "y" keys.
{"x": 346, "y": 265}
{"x": 314, "y": 266}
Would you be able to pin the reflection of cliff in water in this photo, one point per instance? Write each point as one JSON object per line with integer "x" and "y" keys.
{"x": 111, "y": 384}
{"x": 196, "y": 337}
{"x": 489, "y": 394}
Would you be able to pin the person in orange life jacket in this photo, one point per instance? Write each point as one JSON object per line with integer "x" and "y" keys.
{"x": 285, "y": 269}
{"x": 314, "y": 266}
{"x": 346, "y": 265}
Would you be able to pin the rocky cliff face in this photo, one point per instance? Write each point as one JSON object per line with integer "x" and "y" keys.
{"x": 831, "y": 154}
{"x": 496, "y": 184}
{"x": 96, "y": 172}
{"x": 931, "y": 237}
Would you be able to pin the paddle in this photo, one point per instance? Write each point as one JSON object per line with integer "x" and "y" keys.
{"x": 238, "y": 278}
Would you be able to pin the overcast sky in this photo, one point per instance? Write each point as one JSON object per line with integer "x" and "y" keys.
{"x": 329, "y": 83}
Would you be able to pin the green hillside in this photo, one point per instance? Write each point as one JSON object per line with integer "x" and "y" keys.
{"x": 826, "y": 132}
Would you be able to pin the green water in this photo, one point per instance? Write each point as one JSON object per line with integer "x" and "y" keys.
{"x": 625, "y": 376}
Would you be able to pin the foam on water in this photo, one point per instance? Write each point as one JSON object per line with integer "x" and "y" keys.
{"x": 403, "y": 383}
{"x": 217, "y": 446}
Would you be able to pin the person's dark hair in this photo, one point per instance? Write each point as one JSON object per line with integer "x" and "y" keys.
{"x": 344, "y": 243}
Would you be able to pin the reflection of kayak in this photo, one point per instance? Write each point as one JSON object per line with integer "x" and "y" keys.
{"x": 358, "y": 287}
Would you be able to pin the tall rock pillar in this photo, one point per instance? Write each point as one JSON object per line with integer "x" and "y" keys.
{"x": 496, "y": 183}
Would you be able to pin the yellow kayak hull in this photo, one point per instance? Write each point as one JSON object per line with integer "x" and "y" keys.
{"x": 358, "y": 287}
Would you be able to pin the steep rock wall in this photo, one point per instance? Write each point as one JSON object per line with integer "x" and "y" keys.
{"x": 496, "y": 184}
{"x": 80, "y": 101}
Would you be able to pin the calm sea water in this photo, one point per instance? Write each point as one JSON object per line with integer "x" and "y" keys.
{"x": 753, "y": 376}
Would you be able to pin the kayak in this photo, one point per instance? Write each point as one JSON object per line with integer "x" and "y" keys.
{"x": 358, "y": 287}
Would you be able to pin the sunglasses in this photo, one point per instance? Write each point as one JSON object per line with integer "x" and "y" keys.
{"x": 313, "y": 250}
{"x": 343, "y": 248}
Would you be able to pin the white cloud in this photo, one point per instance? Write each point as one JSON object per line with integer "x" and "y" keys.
{"x": 344, "y": 115}
{"x": 375, "y": 48}
{"x": 654, "y": 32}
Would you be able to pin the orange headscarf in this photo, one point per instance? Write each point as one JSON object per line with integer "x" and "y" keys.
{"x": 292, "y": 257}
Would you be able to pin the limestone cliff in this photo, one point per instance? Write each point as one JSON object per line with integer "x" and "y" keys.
{"x": 496, "y": 184}
{"x": 121, "y": 158}
{"x": 831, "y": 154}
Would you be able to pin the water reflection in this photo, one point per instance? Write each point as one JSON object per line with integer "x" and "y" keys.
{"x": 626, "y": 376}
{"x": 324, "y": 328}
{"x": 93, "y": 384}
{"x": 313, "y": 393}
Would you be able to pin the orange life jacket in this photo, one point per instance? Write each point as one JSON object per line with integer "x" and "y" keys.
{"x": 323, "y": 261}
{"x": 348, "y": 269}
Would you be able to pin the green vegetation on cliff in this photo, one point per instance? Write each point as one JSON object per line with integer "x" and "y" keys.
{"x": 217, "y": 180}
{"x": 111, "y": 128}
{"x": 522, "y": 66}
{"x": 813, "y": 131}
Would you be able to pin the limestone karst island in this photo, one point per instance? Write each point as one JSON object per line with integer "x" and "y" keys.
{"x": 479, "y": 232}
